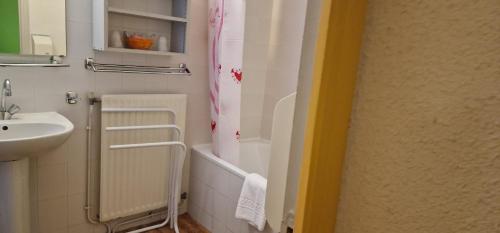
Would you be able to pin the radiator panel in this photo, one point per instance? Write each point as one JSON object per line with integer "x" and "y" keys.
{"x": 135, "y": 180}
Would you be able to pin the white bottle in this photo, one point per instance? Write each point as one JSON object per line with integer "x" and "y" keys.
{"x": 116, "y": 39}
{"x": 162, "y": 44}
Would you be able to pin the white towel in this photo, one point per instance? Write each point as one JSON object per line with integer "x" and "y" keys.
{"x": 251, "y": 205}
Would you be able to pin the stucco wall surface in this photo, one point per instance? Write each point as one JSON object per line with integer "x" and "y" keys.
{"x": 424, "y": 143}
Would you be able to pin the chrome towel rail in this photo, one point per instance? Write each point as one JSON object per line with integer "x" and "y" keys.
{"x": 91, "y": 65}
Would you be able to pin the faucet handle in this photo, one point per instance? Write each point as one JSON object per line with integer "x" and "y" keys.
{"x": 7, "y": 87}
{"x": 12, "y": 110}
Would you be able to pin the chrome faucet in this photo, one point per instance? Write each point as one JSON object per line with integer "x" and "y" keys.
{"x": 6, "y": 91}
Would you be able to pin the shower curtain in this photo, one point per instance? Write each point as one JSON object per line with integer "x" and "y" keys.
{"x": 226, "y": 32}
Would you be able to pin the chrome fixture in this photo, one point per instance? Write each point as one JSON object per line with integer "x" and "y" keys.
{"x": 54, "y": 61}
{"x": 13, "y": 109}
{"x": 72, "y": 97}
{"x": 32, "y": 65}
{"x": 91, "y": 65}
{"x": 6, "y": 91}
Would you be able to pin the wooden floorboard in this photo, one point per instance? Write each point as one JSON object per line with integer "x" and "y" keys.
{"x": 186, "y": 225}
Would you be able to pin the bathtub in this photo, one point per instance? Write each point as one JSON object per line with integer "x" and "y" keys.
{"x": 215, "y": 185}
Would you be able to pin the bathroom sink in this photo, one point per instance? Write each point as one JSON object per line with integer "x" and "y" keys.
{"x": 30, "y": 133}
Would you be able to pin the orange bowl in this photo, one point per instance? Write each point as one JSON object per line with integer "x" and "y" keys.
{"x": 139, "y": 42}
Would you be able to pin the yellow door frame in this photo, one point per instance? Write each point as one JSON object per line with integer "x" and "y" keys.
{"x": 336, "y": 62}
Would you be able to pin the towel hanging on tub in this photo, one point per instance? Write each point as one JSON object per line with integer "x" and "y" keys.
{"x": 252, "y": 201}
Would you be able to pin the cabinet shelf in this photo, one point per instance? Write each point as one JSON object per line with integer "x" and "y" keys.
{"x": 146, "y": 14}
{"x": 162, "y": 18}
{"x": 139, "y": 51}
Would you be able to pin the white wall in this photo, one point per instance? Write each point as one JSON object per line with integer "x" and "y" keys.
{"x": 257, "y": 29}
{"x": 59, "y": 176}
{"x": 284, "y": 53}
{"x": 302, "y": 101}
{"x": 46, "y": 17}
{"x": 288, "y": 68}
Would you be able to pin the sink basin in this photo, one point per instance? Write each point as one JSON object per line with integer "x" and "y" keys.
{"x": 30, "y": 133}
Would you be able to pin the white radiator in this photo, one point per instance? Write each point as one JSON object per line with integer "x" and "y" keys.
{"x": 135, "y": 180}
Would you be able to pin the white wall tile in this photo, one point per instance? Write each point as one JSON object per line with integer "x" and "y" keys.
{"x": 194, "y": 211}
{"x": 76, "y": 178}
{"x": 76, "y": 213}
{"x": 52, "y": 215}
{"x": 221, "y": 207}
{"x": 207, "y": 200}
{"x": 205, "y": 220}
{"x": 82, "y": 228}
{"x": 231, "y": 222}
{"x": 220, "y": 180}
{"x": 196, "y": 188}
{"x": 99, "y": 229}
{"x": 218, "y": 226}
{"x": 52, "y": 181}
{"x": 54, "y": 156}
{"x": 235, "y": 185}
{"x": 80, "y": 11}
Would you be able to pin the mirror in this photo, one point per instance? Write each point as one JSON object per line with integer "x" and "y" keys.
{"x": 33, "y": 27}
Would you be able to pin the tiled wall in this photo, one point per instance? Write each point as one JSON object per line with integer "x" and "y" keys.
{"x": 59, "y": 177}
{"x": 257, "y": 29}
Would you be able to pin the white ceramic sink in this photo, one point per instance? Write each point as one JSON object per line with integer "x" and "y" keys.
{"x": 30, "y": 133}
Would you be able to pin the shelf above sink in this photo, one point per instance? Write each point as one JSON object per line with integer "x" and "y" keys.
{"x": 146, "y": 14}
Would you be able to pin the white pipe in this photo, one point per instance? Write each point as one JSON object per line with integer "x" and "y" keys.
{"x": 89, "y": 172}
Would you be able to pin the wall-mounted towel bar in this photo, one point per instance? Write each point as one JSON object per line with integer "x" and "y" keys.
{"x": 91, "y": 65}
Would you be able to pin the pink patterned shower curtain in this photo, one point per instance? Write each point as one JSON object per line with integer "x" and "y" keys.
{"x": 226, "y": 33}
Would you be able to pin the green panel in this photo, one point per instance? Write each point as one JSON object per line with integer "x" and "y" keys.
{"x": 9, "y": 26}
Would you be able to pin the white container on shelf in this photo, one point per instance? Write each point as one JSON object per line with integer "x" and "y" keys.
{"x": 116, "y": 39}
{"x": 163, "y": 44}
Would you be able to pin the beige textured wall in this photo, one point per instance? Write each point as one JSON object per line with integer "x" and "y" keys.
{"x": 424, "y": 146}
